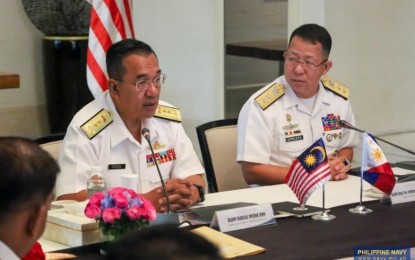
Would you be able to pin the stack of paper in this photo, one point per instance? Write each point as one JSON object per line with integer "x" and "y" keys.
{"x": 229, "y": 246}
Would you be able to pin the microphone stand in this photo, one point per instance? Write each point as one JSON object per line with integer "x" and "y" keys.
{"x": 347, "y": 125}
{"x": 162, "y": 218}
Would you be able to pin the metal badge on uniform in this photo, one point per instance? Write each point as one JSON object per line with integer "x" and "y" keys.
{"x": 119, "y": 166}
{"x": 156, "y": 145}
{"x": 290, "y": 126}
{"x": 290, "y": 133}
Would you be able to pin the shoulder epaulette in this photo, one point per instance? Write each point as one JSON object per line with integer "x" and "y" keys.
{"x": 335, "y": 87}
{"x": 97, "y": 123}
{"x": 270, "y": 95}
{"x": 169, "y": 113}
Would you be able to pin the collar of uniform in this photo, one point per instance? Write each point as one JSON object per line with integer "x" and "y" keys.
{"x": 290, "y": 99}
{"x": 119, "y": 131}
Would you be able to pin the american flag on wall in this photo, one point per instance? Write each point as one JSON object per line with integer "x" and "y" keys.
{"x": 309, "y": 171}
{"x": 111, "y": 21}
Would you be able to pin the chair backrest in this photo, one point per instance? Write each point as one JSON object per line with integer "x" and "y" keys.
{"x": 218, "y": 140}
{"x": 51, "y": 143}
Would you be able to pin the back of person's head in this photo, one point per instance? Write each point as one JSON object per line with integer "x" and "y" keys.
{"x": 314, "y": 34}
{"x": 27, "y": 175}
{"x": 167, "y": 242}
{"x": 119, "y": 50}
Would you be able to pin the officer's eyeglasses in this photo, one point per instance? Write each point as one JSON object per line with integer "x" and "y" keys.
{"x": 292, "y": 60}
{"x": 145, "y": 84}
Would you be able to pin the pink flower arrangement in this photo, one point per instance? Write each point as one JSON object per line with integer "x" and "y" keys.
{"x": 120, "y": 210}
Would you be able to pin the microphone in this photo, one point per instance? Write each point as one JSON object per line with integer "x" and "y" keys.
{"x": 170, "y": 217}
{"x": 347, "y": 125}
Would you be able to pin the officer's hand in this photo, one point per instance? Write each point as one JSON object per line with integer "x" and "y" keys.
{"x": 339, "y": 166}
{"x": 179, "y": 192}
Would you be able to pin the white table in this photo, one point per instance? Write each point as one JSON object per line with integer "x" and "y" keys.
{"x": 336, "y": 194}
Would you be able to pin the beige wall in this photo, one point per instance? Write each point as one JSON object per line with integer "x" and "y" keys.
{"x": 374, "y": 54}
{"x": 22, "y": 110}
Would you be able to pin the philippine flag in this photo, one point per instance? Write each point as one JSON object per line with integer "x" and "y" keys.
{"x": 375, "y": 167}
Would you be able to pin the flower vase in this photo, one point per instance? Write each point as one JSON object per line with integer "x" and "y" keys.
{"x": 105, "y": 240}
{"x": 111, "y": 233}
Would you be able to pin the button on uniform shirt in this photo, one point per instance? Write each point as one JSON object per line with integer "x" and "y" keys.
{"x": 118, "y": 153}
{"x": 281, "y": 132}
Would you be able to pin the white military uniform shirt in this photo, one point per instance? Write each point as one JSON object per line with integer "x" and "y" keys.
{"x": 117, "y": 152}
{"x": 282, "y": 131}
{"x": 6, "y": 253}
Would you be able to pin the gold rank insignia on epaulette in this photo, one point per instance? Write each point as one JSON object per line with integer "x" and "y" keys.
{"x": 335, "y": 87}
{"x": 97, "y": 123}
{"x": 270, "y": 95}
{"x": 169, "y": 113}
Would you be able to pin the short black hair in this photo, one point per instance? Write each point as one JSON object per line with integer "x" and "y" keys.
{"x": 314, "y": 33}
{"x": 27, "y": 174}
{"x": 119, "y": 50}
{"x": 162, "y": 242}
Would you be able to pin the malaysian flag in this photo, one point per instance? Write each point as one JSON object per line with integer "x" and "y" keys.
{"x": 111, "y": 22}
{"x": 309, "y": 171}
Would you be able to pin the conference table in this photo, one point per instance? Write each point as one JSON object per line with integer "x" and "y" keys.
{"x": 306, "y": 238}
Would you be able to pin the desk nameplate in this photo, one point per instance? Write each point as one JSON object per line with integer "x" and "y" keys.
{"x": 242, "y": 218}
{"x": 403, "y": 192}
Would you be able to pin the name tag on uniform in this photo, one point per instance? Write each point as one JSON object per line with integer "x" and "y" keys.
{"x": 116, "y": 166}
{"x": 294, "y": 138}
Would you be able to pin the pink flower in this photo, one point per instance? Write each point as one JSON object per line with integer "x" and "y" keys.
{"x": 116, "y": 190}
{"x": 110, "y": 215}
{"x": 135, "y": 212}
{"x": 132, "y": 193}
{"x": 121, "y": 200}
{"x": 92, "y": 211}
{"x": 96, "y": 198}
{"x": 118, "y": 206}
{"x": 150, "y": 210}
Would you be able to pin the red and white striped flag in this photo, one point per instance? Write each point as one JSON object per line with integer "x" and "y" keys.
{"x": 111, "y": 21}
{"x": 309, "y": 171}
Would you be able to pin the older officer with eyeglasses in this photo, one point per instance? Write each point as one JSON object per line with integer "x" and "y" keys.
{"x": 287, "y": 116}
{"x": 108, "y": 132}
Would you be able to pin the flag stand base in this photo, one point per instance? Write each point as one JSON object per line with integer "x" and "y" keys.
{"x": 323, "y": 216}
{"x": 360, "y": 209}
{"x": 300, "y": 208}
